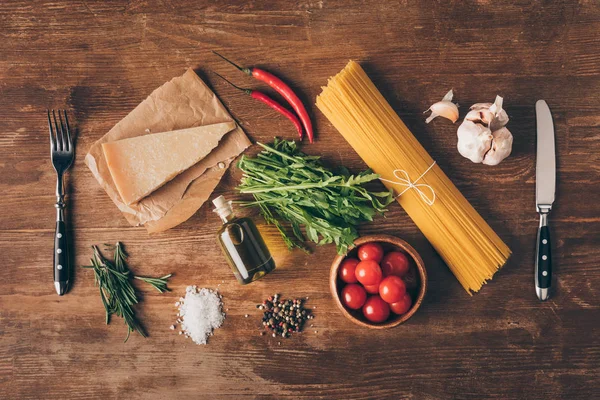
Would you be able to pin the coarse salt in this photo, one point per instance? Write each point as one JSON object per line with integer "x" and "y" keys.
{"x": 201, "y": 311}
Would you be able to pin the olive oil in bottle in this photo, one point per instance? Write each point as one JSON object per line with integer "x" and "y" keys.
{"x": 242, "y": 245}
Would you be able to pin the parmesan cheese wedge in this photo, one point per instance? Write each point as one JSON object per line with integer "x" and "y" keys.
{"x": 141, "y": 164}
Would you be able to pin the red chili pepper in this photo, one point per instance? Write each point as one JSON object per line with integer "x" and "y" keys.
{"x": 271, "y": 103}
{"x": 283, "y": 90}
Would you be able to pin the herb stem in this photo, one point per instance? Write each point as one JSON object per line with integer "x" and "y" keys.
{"x": 114, "y": 281}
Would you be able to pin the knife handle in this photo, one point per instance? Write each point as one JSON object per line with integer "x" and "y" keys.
{"x": 543, "y": 261}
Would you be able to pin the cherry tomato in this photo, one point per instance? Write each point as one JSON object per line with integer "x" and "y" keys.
{"x": 402, "y": 306}
{"x": 347, "y": 270}
{"x": 392, "y": 289}
{"x": 373, "y": 289}
{"x": 370, "y": 251}
{"x": 368, "y": 272}
{"x": 375, "y": 309}
{"x": 395, "y": 263}
{"x": 354, "y": 296}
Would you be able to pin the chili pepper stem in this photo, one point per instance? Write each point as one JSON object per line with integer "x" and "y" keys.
{"x": 247, "y": 91}
{"x": 247, "y": 71}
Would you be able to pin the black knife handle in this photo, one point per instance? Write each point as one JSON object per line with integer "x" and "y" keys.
{"x": 543, "y": 262}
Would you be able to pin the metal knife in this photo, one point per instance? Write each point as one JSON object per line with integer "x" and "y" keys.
{"x": 545, "y": 186}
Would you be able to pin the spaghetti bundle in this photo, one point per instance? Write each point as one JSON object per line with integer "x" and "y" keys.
{"x": 463, "y": 239}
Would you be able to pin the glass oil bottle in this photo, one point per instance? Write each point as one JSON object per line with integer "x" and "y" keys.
{"x": 242, "y": 245}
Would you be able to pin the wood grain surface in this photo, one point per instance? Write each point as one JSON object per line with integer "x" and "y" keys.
{"x": 99, "y": 59}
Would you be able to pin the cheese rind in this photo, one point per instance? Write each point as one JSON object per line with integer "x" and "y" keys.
{"x": 142, "y": 164}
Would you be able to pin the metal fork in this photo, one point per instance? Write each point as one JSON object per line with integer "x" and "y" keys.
{"x": 62, "y": 153}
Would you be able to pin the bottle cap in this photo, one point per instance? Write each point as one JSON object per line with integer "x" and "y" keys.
{"x": 222, "y": 207}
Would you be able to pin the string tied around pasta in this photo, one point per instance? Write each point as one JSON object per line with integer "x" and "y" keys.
{"x": 419, "y": 187}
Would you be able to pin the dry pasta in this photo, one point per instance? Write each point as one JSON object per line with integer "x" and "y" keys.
{"x": 463, "y": 239}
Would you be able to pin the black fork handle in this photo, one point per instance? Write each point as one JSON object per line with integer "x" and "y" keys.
{"x": 61, "y": 255}
{"x": 61, "y": 250}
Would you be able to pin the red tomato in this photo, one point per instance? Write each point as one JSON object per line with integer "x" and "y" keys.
{"x": 373, "y": 289}
{"x": 402, "y": 306}
{"x": 370, "y": 251}
{"x": 368, "y": 273}
{"x": 375, "y": 309}
{"x": 392, "y": 289}
{"x": 395, "y": 263}
{"x": 354, "y": 296}
{"x": 347, "y": 269}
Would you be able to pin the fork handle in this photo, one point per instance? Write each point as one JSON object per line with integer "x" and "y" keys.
{"x": 61, "y": 251}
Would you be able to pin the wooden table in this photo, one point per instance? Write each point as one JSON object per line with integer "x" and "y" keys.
{"x": 100, "y": 59}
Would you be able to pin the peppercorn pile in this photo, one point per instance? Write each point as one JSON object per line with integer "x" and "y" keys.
{"x": 282, "y": 317}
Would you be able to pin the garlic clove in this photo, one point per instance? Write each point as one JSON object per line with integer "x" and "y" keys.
{"x": 480, "y": 106}
{"x": 474, "y": 140}
{"x": 500, "y": 121}
{"x": 492, "y": 115}
{"x": 444, "y": 108}
{"x": 480, "y": 112}
{"x": 501, "y": 147}
{"x": 483, "y": 116}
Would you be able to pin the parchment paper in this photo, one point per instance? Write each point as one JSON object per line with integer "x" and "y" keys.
{"x": 183, "y": 102}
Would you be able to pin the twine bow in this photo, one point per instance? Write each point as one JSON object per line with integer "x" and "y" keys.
{"x": 405, "y": 181}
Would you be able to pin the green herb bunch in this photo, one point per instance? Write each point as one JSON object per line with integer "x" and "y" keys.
{"x": 114, "y": 279}
{"x": 296, "y": 188}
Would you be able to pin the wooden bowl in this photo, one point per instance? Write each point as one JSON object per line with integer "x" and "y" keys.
{"x": 389, "y": 243}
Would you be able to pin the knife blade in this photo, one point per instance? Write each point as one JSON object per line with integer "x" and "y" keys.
{"x": 545, "y": 187}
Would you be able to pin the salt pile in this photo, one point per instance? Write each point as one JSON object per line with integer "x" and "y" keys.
{"x": 200, "y": 312}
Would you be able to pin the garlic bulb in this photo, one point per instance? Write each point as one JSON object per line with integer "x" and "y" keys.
{"x": 482, "y": 137}
{"x": 444, "y": 108}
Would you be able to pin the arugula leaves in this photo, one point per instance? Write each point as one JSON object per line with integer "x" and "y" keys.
{"x": 292, "y": 187}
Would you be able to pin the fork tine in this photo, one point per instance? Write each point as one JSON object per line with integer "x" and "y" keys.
{"x": 69, "y": 141}
{"x": 63, "y": 132}
{"x": 52, "y": 140}
{"x": 58, "y": 133}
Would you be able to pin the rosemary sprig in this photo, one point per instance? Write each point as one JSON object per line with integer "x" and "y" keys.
{"x": 114, "y": 281}
{"x": 159, "y": 284}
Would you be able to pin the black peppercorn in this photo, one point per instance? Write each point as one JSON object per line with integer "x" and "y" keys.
{"x": 282, "y": 317}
